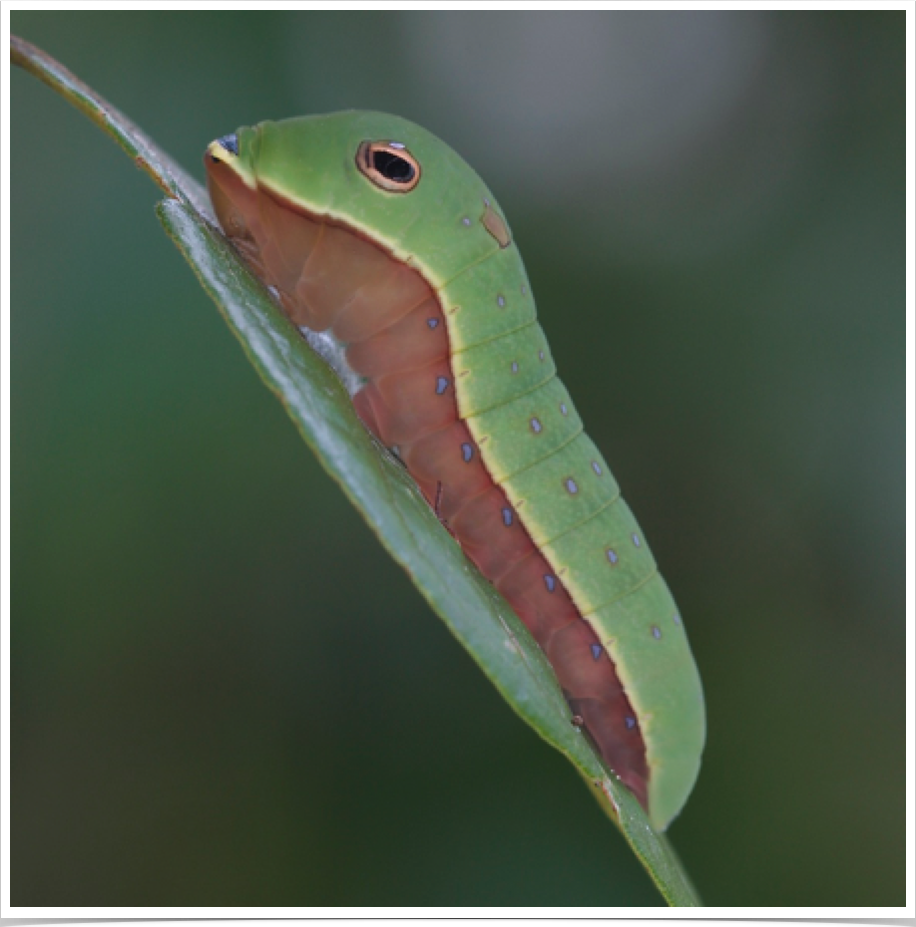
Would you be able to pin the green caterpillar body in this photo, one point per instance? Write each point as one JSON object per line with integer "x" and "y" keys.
{"x": 370, "y": 227}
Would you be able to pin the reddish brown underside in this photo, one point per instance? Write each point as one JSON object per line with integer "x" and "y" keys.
{"x": 329, "y": 277}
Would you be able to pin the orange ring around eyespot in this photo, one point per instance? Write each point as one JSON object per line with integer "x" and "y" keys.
{"x": 364, "y": 161}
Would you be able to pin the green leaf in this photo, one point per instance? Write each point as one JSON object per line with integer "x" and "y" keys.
{"x": 375, "y": 482}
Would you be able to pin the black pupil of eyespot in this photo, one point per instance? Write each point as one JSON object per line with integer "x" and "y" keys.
{"x": 391, "y": 167}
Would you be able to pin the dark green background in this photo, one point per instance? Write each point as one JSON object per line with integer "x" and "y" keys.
{"x": 225, "y": 693}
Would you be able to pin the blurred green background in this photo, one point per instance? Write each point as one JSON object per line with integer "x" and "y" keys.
{"x": 225, "y": 693}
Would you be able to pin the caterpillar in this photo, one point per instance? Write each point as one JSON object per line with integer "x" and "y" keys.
{"x": 369, "y": 228}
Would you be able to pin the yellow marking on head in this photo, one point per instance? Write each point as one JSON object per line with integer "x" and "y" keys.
{"x": 217, "y": 152}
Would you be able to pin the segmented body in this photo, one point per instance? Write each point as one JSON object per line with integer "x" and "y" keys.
{"x": 459, "y": 378}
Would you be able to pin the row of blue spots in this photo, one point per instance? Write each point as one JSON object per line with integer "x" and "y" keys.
{"x": 612, "y": 555}
{"x": 657, "y": 631}
{"x": 441, "y": 385}
{"x": 551, "y": 583}
{"x": 541, "y": 357}
{"x": 467, "y": 455}
{"x": 501, "y": 300}
{"x": 432, "y": 323}
{"x": 537, "y": 427}
{"x": 629, "y": 721}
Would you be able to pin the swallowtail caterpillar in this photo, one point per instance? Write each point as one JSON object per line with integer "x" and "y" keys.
{"x": 368, "y": 227}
